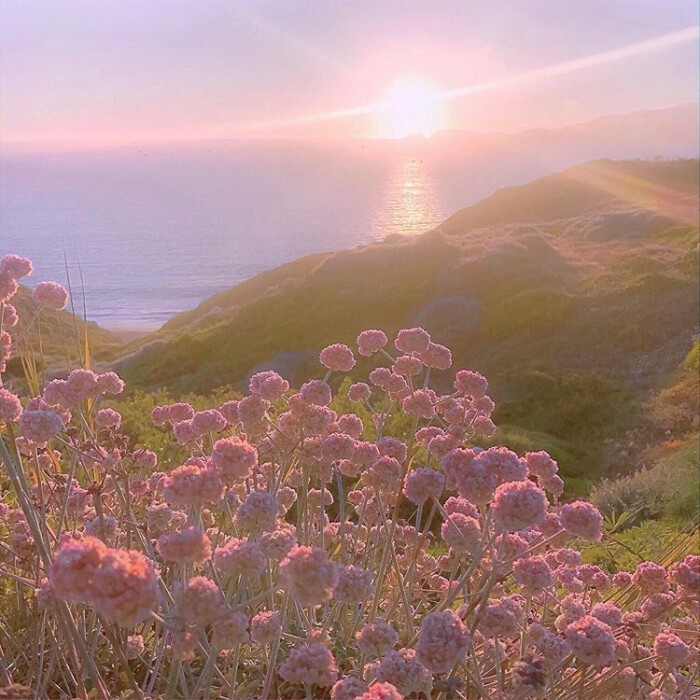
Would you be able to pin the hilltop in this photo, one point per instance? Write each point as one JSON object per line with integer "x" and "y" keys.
{"x": 576, "y": 294}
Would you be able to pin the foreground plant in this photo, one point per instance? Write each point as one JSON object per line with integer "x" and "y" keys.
{"x": 301, "y": 553}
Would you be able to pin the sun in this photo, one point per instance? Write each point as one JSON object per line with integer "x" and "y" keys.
{"x": 410, "y": 109}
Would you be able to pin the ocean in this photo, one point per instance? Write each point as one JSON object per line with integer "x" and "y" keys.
{"x": 148, "y": 232}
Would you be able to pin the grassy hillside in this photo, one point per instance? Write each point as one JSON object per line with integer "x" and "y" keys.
{"x": 575, "y": 294}
{"x": 56, "y": 339}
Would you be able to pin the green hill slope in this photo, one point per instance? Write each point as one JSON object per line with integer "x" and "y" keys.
{"x": 575, "y": 294}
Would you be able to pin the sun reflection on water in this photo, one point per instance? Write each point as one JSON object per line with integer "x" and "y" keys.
{"x": 411, "y": 204}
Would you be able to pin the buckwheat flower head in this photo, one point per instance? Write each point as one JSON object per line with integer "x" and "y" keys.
{"x": 442, "y": 642}
{"x": 376, "y": 639}
{"x": 381, "y": 691}
{"x": 277, "y": 543}
{"x": 40, "y": 426}
{"x": 184, "y": 546}
{"x": 124, "y": 588}
{"x": 533, "y": 574}
{"x": 240, "y": 558}
{"x": 74, "y": 566}
{"x": 622, "y": 579}
{"x": 672, "y": 649}
{"x": 455, "y": 462}
{"x": 352, "y": 425}
{"x": 52, "y": 295}
{"x": 541, "y": 464}
{"x": 502, "y": 463}
{"x": 251, "y": 413}
{"x": 609, "y": 613}
{"x": 591, "y": 641}
{"x": 229, "y": 410}
{"x": 348, "y": 688}
{"x": 179, "y": 411}
{"x": 231, "y": 630}
{"x": 651, "y": 578}
{"x": 471, "y": 383}
{"x": 404, "y": 671}
{"x": 498, "y": 619}
{"x": 308, "y": 575}
{"x": 10, "y": 406}
{"x": 337, "y": 446}
{"x": 581, "y": 519}
{"x": 369, "y": 341}
{"x": 409, "y": 340}
{"x": 687, "y": 574}
{"x": 16, "y": 266}
{"x": 354, "y": 585}
{"x": 108, "y": 418}
{"x": 553, "y": 647}
{"x": 528, "y": 677}
{"x": 518, "y": 505}
{"x": 316, "y": 392}
{"x": 193, "y": 483}
{"x": 407, "y": 366}
{"x": 8, "y": 287}
{"x": 268, "y": 385}
{"x": 337, "y": 357}
{"x": 461, "y": 533}
{"x": 437, "y": 356}
{"x": 184, "y": 432}
{"x": 10, "y": 318}
{"x": 109, "y": 383}
{"x": 201, "y": 601}
{"x": 234, "y": 459}
{"x": 258, "y": 511}
{"x": 420, "y": 403}
{"x": 359, "y": 392}
{"x": 145, "y": 459}
{"x": 210, "y": 421}
{"x": 475, "y": 483}
{"x": 265, "y": 627}
{"x": 385, "y": 474}
{"x": 310, "y": 664}
{"x": 423, "y": 483}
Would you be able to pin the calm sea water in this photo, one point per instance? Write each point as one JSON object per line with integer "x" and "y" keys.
{"x": 156, "y": 231}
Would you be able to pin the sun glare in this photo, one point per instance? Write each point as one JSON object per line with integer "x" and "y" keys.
{"x": 411, "y": 109}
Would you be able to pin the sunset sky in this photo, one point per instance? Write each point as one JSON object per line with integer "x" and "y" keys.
{"x": 115, "y": 71}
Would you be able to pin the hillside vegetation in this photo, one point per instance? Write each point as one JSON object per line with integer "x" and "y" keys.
{"x": 577, "y": 294}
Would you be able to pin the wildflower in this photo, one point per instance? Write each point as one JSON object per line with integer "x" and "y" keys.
{"x": 385, "y": 474}
{"x": 308, "y": 574}
{"x": 411, "y": 340}
{"x": 184, "y": 546}
{"x": 337, "y": 357}
{"x": 16, "y": 266}
{"x": 497, "y": 619}
{"x": 268, "y": 385}
{"x": 461, "y": 533}
{"x": 135, "y": 646}
{"x": 8, "y": 287}
{"x": 39, "y": 426}
{"x": 258, "y": 511}
{"x": 518, "y": 505}
{"x": 581, "y": 519}
{"x": 376, "y": 639}
{"x": 74, "y": 566}
{"x": 528, "y": 677}
{"x": 234, "y": 459}
{"x": 184, "y": 432}
{"x": 201, "y": 601}
{"x": 124, "y": 588}
{"x": 348, "y": 688}
{"x": 591, "y": 641}
{"x": 541, "y": 464}
{"x": 687, "y": 574}
{"x": 52, "y": 295}
{"x": 10, "y": 406}
{"x": 240, "y": 558}
{"x": 359, "y": 392}
{"x": 277, "y": 543}
{"x": 337, "y": 446}
{"x": 354, "y": 585}
{"x": 609, "y": 613}
{"x": 533, "y": 574}
{"x": 422, "y": 484}
{"x": 443, "y": 641}
{"x": 471, "y": 384}
{"x": 108, "y": 418}
{"x": 651, "y": 578}
{"x": 316, "y": 392}
{"x": 265, "y": 627}
{"x": 405, "y": 672}
{"x": 193, "y": 483}
{"x": 351, "y": 425}
{"x": 109, "y": 383}
{"x": 205, "y": 422}
{"x": 460, "y": 505}
{"x": 622, "y": 579}
{"x": 309, "y": 664}
{"x": 381, "y": 691}
{"x": 231, "y": 630}
{"x": 10, "y": 318}
{"x": 369, "y": 341}
{"x": 420, "y": 404}
{"x": 436, "y": 356}
{"x": 407, "y": 366}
